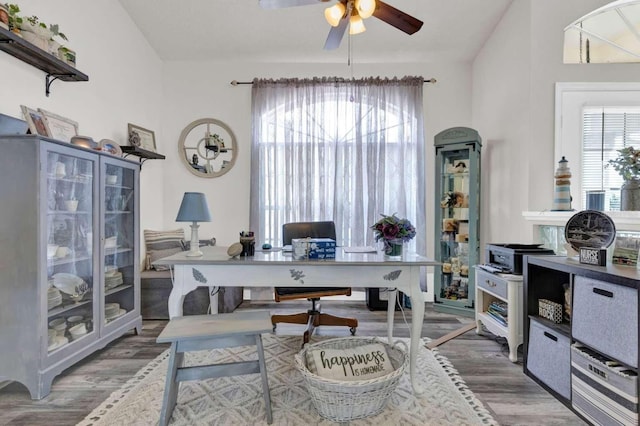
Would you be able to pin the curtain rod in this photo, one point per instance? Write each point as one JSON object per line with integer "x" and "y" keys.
{"x": 236, "y": 82}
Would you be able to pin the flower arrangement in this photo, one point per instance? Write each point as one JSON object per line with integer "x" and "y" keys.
{"x": 392, "y": 229}
{"x": 627, "y": 164}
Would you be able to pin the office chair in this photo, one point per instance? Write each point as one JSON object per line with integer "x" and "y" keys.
{"x": 313, "y": 317}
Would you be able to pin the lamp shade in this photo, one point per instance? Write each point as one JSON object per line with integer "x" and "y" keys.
{"x": 194, "y": 208}
{"x": 356, "y": 26}
{"x": 334, "y": 14}
{"x": 365, "y": 8}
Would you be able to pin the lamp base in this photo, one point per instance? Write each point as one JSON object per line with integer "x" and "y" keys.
{"x": 195, "y": 243}
{"x": 197, "y": 253}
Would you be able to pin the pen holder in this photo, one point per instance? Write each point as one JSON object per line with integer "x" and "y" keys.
{"x": 248, "y": 246}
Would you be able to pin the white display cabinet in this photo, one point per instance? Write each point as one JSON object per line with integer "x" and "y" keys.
{"x": 69, "y": 268}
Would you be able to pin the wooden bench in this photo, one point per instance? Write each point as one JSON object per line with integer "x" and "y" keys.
{"x": 204, "y": 332}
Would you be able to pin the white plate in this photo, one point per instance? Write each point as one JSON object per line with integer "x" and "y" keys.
{"x": 59, "y": 342}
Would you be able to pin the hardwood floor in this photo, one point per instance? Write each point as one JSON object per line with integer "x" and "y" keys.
{"x": 482, "y": 361}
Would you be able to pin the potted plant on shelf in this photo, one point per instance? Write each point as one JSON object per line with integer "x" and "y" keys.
{"x": 627, "y": 164}
{"x": 35, "y": 32}
{"x": 67, "y": 55}
{"x": 54, "y": 45}
{"x": 15, "y": 20}
{"x": 4, "y": 16}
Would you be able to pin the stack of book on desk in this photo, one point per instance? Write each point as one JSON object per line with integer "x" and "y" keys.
{"x": 498, "y": 311}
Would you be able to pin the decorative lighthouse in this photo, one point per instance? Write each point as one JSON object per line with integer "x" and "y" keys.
{"x": 562, "y": 190}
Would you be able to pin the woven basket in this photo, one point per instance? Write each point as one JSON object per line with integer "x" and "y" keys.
{"x": 342, "y": 401}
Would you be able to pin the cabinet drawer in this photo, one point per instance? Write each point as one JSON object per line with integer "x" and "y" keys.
{"x": 602, "y": 392}
{"x": 605, "y": 317}
{"x": 549, "y": 358}
{"x": 492, "y": 283}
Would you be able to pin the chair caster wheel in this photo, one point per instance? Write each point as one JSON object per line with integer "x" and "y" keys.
{"x": 353, "y": 331}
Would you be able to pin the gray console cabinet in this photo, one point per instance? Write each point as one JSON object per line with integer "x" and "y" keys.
{"x": 589, "y": 361}
{"x": 69, "y": 250}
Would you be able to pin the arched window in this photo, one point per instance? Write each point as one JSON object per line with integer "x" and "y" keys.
{"x": 345, "y": 151}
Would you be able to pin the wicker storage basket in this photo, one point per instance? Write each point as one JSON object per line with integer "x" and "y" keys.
{"x": 342, "y": 401}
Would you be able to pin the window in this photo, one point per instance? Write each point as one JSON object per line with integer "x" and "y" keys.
{"x": 580, "y": 138}
{"x": 605, "y": 131}
{"x": 345, "y": 151}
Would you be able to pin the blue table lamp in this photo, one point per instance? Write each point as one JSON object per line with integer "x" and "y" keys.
{"x": 194, "y": 209}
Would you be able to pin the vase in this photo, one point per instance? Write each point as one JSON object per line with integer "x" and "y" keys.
{"x": 630, "y": 195}
{"x": 393, "y": 250}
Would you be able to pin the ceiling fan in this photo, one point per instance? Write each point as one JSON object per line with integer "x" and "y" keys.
{"x": 350, "y": 13}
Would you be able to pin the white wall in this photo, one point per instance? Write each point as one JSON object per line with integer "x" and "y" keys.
{"x": 513, "y": 109}
{"x": 197, "y": 90}
{"x": 125, "y": 82}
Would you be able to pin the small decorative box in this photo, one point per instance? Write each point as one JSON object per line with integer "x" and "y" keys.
{"x": 550, "y": 310}
{"x": 313, "y": 248}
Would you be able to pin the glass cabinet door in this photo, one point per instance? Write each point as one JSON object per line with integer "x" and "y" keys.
{"x": 457, "y": 219}
{"x": 69, "y": 223}
{"x": 454, "y": 238}
{"x": 118, "y": 239}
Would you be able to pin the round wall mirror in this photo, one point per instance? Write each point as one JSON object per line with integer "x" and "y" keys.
{"x": 208, "y": 147}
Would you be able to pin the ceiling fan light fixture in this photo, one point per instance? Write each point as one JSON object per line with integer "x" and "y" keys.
{"x": 334, "y": 14}
{"x": 365, "y": 8}
{"x": 356, "y": 25}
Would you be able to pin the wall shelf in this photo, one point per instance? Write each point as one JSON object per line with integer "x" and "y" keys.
{"x": 55, "y": 68}
{"x": 142, "y": 154}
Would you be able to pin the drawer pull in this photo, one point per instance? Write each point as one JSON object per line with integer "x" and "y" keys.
{"x": 602, "y": 292}
{"x": 551, "y": 336}
{"x": 490, "y": 283}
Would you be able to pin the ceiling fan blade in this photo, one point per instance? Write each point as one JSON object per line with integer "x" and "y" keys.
{"x": 279, "y": 4}
{"x": 397, "y": 18}
{"x": 335, "y": 34}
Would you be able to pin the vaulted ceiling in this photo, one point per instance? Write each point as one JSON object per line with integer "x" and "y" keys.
{"x": 240, "y": 30}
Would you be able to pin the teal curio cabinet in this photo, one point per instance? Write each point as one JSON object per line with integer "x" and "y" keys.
{"x": 457, "y": 219}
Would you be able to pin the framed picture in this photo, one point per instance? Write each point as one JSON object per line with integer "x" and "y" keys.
{"x": 59, "y": 128}
{"x": 141, "y": 137}
{"x": 35, "y": 120}
{"x": 625, "y": 251}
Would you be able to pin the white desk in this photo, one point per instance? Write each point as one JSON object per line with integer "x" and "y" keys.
{"x": 275, "y": 268}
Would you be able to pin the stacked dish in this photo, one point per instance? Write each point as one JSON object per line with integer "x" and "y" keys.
{"x": 59, "y": 325}
{"x": 74, "y": 320}
{"x": 112, "y": 279}
{"x": 78, "y": 330}
{"x": 54, "y": 298}
{"x": 113, "y": 311}
{"x": 58, "y": 342}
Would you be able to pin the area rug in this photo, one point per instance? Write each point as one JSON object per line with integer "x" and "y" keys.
{"x": 238, "y": 400}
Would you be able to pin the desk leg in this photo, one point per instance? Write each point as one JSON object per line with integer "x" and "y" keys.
{"x": 214, "y": 294}
{"x": 417, "y": 318}
{"x": 391, "y": 310}
{"x": 176, "y": 300}
{"x": 176, "y": 297}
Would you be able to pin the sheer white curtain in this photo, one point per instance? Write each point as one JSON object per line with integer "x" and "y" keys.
{"x": 341, "y": 150}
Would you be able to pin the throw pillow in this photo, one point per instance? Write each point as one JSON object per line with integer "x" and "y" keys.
{"x": 161, "y": 244}
{"x": 359, "y": 363}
